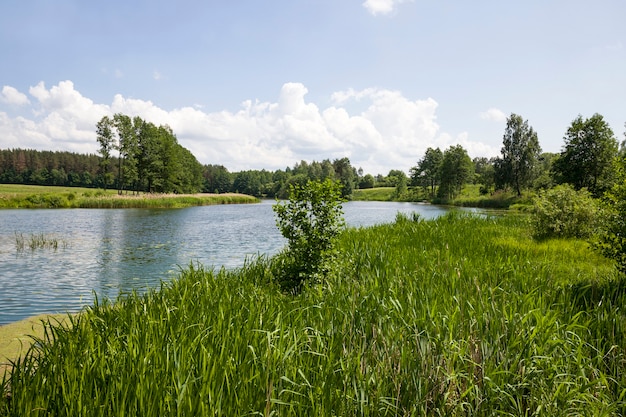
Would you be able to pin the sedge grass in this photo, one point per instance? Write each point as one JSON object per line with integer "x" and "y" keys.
{"x": 456, "y": 316}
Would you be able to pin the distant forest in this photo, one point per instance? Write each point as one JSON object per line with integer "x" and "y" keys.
{"x": 28, "y": 166}
{"x": 137, "y": 156}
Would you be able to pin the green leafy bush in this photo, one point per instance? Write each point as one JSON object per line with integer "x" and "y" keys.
{"x": 612, "y": 241}
{"x": 565, "y": 212}
{"x": 310, "y": 220}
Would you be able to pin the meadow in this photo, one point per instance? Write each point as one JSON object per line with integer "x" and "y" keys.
{"x": 35, "y": 196}
{"x": 463, "y": 315}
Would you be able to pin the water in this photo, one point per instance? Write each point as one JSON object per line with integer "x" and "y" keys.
{"x": 111, "y": 251}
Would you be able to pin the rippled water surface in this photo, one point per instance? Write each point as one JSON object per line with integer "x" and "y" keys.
{"x": 111, "y": 251}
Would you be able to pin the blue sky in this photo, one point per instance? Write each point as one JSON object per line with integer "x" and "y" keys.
{"x": 255, "y": 84}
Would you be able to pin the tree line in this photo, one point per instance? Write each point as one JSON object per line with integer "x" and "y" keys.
{"x": 589, "y": 159}
{"x": 138, "y": 156}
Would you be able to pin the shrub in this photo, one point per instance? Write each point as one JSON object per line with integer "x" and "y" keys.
{"x": 612, "y": 240}
{"x": 565, "y": 212}
{"x": 310, "y": 220}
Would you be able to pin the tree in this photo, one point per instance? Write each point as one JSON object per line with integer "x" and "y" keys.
{"x": 520, "y": 154}
{"x": 588, "y": 156}
{"x": 456, "y": 169}
{"x": 128, "y": 150}
{"x": 311, "y": 221}
{"x": 104, "y": 136}
{"x": 346, "y": 174}
{"x": 367, "y": 181}
{"x": 484, "y": 173}
{"x": 427, "y": 173}
{"x": 217, "y": 179}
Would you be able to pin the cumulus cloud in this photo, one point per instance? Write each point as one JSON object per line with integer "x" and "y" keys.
{"x": 390, "y": 131}
{"x": 376, "y": 7}
{"x": 11, "y": 95}
{"x": 494, "y": 115}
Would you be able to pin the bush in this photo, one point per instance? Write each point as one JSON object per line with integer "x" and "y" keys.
{"x": 310, "y": 221}
{"x": 612, "y": 241}
{"x": 565, "y": 212}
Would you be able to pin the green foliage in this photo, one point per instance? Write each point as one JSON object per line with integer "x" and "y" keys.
{"x": 149, "y": 159}
{"x": 458, "y": 316}
{"x": 427, "y": 173}
{"x": 368, "y": 181}
{"x": 565, "y": 212}
{"x": 612, "y": 240}
{"x": 456, "y": 170}
{"x": 310, "y": 221}
{"x": 587, "y": 159}
{"x": 520, "y": 154}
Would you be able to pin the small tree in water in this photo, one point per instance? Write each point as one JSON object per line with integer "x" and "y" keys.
{"x": 310, "y": 220}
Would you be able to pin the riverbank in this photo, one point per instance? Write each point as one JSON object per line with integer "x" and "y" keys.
{"x": 462, "y": 315}
{"x": 33, "y": 196}
{"x": 469, "y": 197}
{"x": 16, "y": 338}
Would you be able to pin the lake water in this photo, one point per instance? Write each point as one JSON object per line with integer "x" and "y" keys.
{"x": 111, "y": 251}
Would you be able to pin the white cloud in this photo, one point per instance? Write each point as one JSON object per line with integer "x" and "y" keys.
{"x": 376, "y": 7}
{"x": 390, "y": 131}
{"x": 157, "y": 75}
{"x": 494, "y": 115}
{"x": 12, "y": 96}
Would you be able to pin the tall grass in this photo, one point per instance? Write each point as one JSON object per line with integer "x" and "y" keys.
{"x": 457, "y": 316}
{"x": 102, "y": 199}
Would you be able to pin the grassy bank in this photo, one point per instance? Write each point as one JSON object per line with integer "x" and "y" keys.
{"x": 469, "y": 197}
{"x": 373, "y": 194}
{"x": 457, "y": 316}
{"x": 32, "y": 196}
{"x": 16, "y": 338}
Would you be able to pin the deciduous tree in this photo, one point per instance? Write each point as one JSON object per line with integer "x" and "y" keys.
{"x": 520, "y": 154}
{"x": 588, "y": 156}
{"x": 427, "y": 173}
{"x": 456, "y": 169}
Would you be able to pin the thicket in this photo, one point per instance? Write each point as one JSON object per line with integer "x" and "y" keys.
{"x": 612, "y": 240}
{"x": 563, "y": 211}
{"x": 457, "y": 316}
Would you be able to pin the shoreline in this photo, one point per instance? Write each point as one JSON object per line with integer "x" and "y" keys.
{"x": 17, "y": 337}
{"x": 99, "y": 199}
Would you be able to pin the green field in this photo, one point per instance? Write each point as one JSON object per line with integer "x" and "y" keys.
{"x": 456, "y": 316}
{"x": 373, "y": 194}
{"x": 35, "y": 196}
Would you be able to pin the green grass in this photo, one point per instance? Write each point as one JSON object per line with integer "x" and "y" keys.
{"x": 469, "y": 197}
{"x": 32, "y": 196}
{"x": 373, "y": 194}
{"x": 456, "y": 316}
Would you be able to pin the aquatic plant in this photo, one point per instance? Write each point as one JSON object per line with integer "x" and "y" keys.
{"x": 38, "y": 241}
{"x": 456, "y": 316}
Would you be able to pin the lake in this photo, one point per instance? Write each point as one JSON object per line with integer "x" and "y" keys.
{"x": 110, "y": 251}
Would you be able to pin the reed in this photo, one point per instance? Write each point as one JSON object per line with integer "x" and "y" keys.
{"x": 85, "y": 198}
{"x": 457, "y": 316}
{"x": 38, "y": 241}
